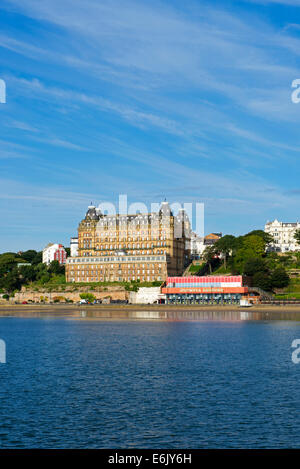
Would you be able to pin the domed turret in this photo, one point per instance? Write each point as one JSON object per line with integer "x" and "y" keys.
{"x": 91, "y": 213}
{"x": 165, "y": 209}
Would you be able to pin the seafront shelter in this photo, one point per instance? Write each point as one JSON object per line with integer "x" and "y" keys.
{"x": 205, "y": 290}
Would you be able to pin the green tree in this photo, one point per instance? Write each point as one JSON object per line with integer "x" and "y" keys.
{"x": 262, "y": 280}
{"x": 10, "y": 281}
{"x": 225, "y": 245}
{"x": 208, "y": 256}
{"x": 279, "y": 278}
{"x": 272, "y": 260}
{"x": 254, "y": 265}
{"x": 239, "y": 242}
{"x": 27, "y": 273}
{"x": 29, "y": 255}
{"x": 8, "y": 262}
{"x": 243, "y": 255}
{"x": 265, "y": 236}
{"x": 56, "y": 268}
{"x": 297, "y": 236}
{"x": 45, "y": 277}
{"x": 38, "y": 258}
{"x": 40, "y": 270}
{"x": 256, "y": 244}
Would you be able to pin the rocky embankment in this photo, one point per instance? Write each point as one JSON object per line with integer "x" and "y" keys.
{"x": 64, "y": 293}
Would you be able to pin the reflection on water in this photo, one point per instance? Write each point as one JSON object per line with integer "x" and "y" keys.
{"x": 169, "y": 315}
{"x": 194, "y": 315}
{"x": 85, "y": 383}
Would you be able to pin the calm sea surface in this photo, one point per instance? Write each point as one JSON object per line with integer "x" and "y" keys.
{"x": 85, "y": 383}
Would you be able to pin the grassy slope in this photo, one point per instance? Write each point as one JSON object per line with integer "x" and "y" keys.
{"x": 292, "y": 291}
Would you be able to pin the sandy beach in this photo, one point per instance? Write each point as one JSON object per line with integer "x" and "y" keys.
{"x": 259, "y": 312}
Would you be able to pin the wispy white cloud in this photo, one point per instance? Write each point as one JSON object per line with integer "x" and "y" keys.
{"x": 157, "y": 41}
{"x": 132, "y": 42}
{"x": 295, "y": 3}
{"x": 21, "y": 126}
{"x": 57, "y": 142}
{"x": 7, "y": 155}
{"x": 291, "y": 26}
{"x": 132, "y": 115}
{"x": 207, "y": 88}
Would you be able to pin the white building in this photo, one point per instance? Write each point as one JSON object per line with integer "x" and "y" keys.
{"x": 146, "y": 295}
{"x": 197, "y": 246}
{"x": 283, "y": 234}
{"x": 54, "y": 252}
{"x": 74, "y": 247}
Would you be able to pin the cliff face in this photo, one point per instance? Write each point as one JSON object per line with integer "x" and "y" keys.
{"x": 63, "y": 293}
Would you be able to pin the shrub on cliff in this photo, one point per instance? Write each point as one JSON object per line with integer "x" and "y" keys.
{"x": 87, "y": 296}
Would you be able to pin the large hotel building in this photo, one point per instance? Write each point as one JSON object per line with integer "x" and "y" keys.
{"x": 147, "y": 247}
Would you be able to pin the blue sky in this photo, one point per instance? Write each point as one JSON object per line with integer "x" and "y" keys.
{"x": 185, "y": 100}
